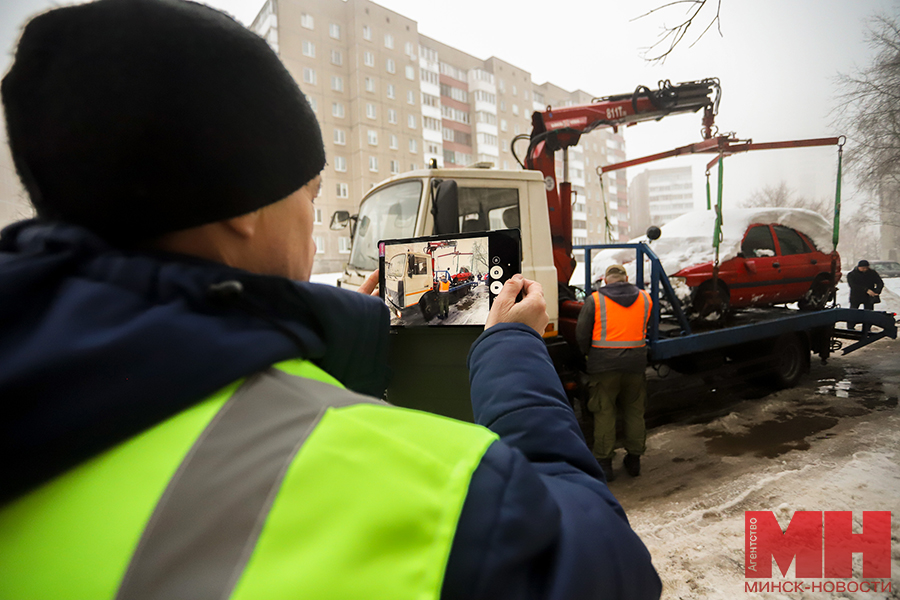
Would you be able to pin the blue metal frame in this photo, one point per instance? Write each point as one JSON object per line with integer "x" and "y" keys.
{"x": 688, "y": 342}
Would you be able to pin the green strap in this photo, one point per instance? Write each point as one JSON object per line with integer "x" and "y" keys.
{"x": 717, "y": 233}
{"x": 837, "y": 200}
{"x": 708, "y": 194}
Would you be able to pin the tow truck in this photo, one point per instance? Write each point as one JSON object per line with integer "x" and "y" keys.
{"x": 446, "y": 201}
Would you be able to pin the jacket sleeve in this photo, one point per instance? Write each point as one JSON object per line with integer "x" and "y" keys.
{"x": 539, "y": 521}
{"x": 878, "y": 283}
{"x": 584, "y": 328}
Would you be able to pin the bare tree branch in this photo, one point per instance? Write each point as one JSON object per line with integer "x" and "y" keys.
{"x": 672, "y": 36}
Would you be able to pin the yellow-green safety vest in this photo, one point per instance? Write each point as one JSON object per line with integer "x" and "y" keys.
{"x": 282, "y": 485}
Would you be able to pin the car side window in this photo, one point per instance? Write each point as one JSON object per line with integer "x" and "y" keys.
{"x": 790, "y": 242}
{"x": 758, "y": 242}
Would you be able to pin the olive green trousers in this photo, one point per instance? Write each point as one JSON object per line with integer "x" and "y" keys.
{"x": 617, "y": 393}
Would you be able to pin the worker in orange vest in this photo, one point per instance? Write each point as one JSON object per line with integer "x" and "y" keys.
{"x": 611, "y": 332}
{"x": 443, "y": 296}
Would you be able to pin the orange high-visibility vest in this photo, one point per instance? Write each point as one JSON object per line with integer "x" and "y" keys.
{"x": 617, "y": 326}
{"x": 444, "y": 286}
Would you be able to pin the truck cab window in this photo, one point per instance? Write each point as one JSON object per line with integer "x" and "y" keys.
{"x": 483, "y": 209}
{"x": 758, "y": 242}
{"x": 388, "y": 214}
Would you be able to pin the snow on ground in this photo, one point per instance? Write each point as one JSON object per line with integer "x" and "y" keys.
{"x": 687, "y": 240}
{"x": 833, "y": 443}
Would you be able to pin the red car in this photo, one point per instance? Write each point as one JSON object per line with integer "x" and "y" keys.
{"x": 775, "y": 264}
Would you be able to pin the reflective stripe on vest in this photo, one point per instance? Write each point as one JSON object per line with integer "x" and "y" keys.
{"x": 284, "y": 485}
{"x": 617, "y": 326}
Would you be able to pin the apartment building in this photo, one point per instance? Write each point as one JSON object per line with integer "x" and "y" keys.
{"x": 660, "y": 195}
{"x": 391, "y": 99}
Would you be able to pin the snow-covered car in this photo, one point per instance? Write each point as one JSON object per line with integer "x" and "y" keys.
{"x": 886, "y": 268}
{"x": 766, "y": 256}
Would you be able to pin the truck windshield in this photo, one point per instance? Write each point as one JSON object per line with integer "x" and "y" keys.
{"x": 387, "y": 214}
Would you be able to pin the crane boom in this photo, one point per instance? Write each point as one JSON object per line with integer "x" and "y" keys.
{"x": 559, "y": 128}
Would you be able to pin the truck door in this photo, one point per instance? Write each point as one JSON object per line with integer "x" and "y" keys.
{"x": 418, "y": 278}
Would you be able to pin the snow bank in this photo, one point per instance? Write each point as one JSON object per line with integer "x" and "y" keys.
{"x": 687, "y": 240}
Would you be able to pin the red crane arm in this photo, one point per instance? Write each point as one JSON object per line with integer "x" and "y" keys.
{"x": 558, "y": 129}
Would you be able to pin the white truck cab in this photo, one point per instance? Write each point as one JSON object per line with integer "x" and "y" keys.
{"x": 405, "y": 206}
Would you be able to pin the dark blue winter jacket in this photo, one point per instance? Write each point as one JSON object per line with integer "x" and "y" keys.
{"x": 99, "y": 344}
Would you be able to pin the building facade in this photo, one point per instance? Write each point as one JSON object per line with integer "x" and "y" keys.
{"x": 391, "y": 100}
{"x": 659, "y": 195}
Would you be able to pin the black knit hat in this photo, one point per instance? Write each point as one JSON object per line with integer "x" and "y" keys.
{"x": 863, "y": 263}
{"x": 135, "y": 118}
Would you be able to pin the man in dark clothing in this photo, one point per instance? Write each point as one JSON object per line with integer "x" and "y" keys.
{"x": 186, "y": 416}
{"x": 865, "y": 288}
{"x": 612, "y": 331}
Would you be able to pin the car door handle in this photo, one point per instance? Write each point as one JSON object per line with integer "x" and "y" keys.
{"x": 776, "y": 265}
{"x": 814, "y": 261}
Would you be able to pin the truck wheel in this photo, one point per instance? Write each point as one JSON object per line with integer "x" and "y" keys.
{"x": 791, "y": 360}
{"x": 818, "y": 295}
{"x": 428, "y": 306}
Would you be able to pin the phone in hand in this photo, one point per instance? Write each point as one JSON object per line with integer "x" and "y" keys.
{"x": 446, "y": 280}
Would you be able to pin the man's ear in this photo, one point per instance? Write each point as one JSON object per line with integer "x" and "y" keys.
{"x": 244, "y": 225}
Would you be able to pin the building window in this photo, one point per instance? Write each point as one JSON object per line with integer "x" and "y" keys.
{"x": 515, "y": 91}
{"x": 388, "y": 41}
{"x": 502, "y": 105}
{"x": 411, "y": 121}
{"x": 320, "y": 244}
{"x": 317, "y": 219}
{"x": 340, "y": 138}
{"x": 313, "y": 103}
{"x": 343, "y": 190}
{"x": 410, "y": 72}
{"x": 391, "y": 66}
{"x": 368, "y": 59}
{"x": 390, "y": 91}
{"x": 309, "y": 76}
{"x": 413, "y": 146}
{"x": 337, "y": 83}
{"x": 429, "y": 77}
{"x": 340, "y": 164}
{"x": 516, "y": 129}
{"x": 431, "y": 123}
{"x": 501, "y": 85}
{"x": 344, "y": 245}
{"x": 306, "y": 21}
{"x": 334, "y": 30}
{"x": 370, "y": 84}
{"x": 433, "y": 149}
{"x": 309, "y": 49}
{"x": 410, "y": 97}
{"x": 525, "y": 94}
{"x": 395, "y": 167}
{"x": 373, "y": 164}
{"x": 515, "y": 109}
{"x": 371, "y": 111}
{"x": 429, "y": 100}
{"x": 336, "y": 57}
{"x": 392, "y": 116}
{"x": 367, "y": 33}
{"x": 410, "y": 50}
{"x": 372, "y": 137}
{"x": 394, "y": 145}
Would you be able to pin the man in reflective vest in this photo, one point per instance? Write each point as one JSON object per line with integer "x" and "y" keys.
{"x": 444, "y": 296}
{"x": 612, "y": 331}
{"x": 187, "y": 416}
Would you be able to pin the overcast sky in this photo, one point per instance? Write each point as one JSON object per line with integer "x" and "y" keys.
{"x": 777, "y": 61}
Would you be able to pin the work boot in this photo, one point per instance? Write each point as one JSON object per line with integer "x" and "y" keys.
{"x": 606, "y": 465}
{"x": 632, "y": 464}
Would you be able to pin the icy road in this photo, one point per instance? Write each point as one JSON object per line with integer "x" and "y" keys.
{"x": 830, "y": 444}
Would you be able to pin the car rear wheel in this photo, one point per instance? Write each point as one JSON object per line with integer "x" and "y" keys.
{"x": 818, "y": 295}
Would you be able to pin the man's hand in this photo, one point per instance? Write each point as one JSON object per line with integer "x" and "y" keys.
{"x": 531, "y": 311}
{"x": 871, "y": 293}
{"x": 370, "y": 285}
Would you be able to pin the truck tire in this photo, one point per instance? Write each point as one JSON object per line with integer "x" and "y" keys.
{"x": 428, "y": 306}
{"x": 790, "y": 356}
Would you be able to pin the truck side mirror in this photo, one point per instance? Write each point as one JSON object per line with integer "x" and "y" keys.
{"x": 653, "y": 232}
{"x": 339, "y": 220}
{"x": 445, "y": 207}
